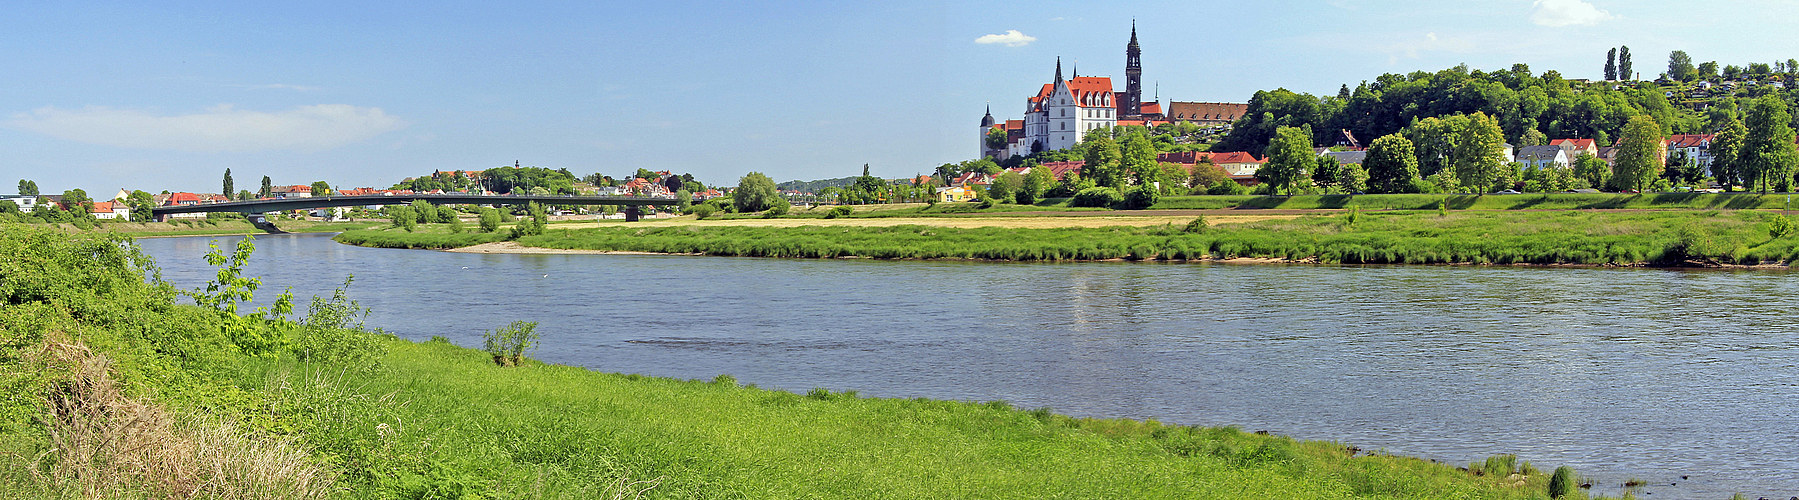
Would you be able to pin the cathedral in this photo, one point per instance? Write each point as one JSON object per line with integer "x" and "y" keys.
{"x": 1065, "y": 109}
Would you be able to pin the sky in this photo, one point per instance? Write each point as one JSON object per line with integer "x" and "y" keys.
{"x": 100, "y": 96}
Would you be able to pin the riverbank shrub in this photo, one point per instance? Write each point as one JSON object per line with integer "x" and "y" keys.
{"x": 508, "y": 344}
{"x": 1138, "y": 198}
{"x": 1099, "y": 197}
{"x": 1562, "y": 483}
{"x": 839, "y": 211}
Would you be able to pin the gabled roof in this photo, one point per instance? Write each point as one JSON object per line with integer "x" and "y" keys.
{"x": 1537, "y": 154}
{"x": 1087, "y": 91}
{"x": 1205, "y": 111}
{"x": 1689, "y": 140}
{"x": 1574, "y": 143}
{"x": 1059, "y": 169}
{"x": 1235, "y": 157}
{"x": 102, "y": 207}
{"x": 1348, "y": 157}
{"x": 1149, "y": 108}
{"x": 184, "y": 197}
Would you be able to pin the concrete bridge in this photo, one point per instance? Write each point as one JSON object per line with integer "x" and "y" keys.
{"x": 631, "y": 203}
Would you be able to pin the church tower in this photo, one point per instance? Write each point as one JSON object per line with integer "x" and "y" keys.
{"x": 1132, "y": 104}
{"x": 986, "y": 126}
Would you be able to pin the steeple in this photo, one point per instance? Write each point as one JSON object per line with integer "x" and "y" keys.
{"x": 1058, "y": 69}
{"x": 1131, "y": 105}
{"x": 1074, "y": 70}
{"x": 987, "y": 121}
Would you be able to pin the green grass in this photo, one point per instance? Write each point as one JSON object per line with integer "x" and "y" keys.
{"x": 433, "y": 420}
{"x": 1533, "y": 201}
{"x": 428, "y": 240}
{"x": 1561, "y": 237}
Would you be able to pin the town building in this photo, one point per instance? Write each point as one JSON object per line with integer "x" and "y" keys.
{"x": 1062, "y": 111}
{"x": 25, "y": 203}
{"x": 1541, "y": 157}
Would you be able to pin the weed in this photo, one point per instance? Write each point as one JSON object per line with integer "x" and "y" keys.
{"x": 1562, "y": 482}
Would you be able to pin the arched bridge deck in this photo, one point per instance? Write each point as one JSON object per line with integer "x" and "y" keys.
{"x": 276, "y": 205}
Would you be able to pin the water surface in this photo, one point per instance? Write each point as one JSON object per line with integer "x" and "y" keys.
{"x": 1622, "y": 373}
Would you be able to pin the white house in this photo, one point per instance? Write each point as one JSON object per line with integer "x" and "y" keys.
{"x": 25, "y": 203}
{"x": 1064, "y": 110}
{"x": 1543, "y": 156}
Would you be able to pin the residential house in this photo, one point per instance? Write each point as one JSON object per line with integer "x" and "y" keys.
{"x": 1347, "y": 157}
{"x": 1543, "y": 156}
{"x": 1577, "y": 146}
{"x": 25, "y": 203}
{"x": 1696, "y": 146}
{"x": 955, "y": 194}
{"x": 969, "y": 178}
{"x": 1061, "y": 169}
{"x": 111, "y": 210}
{"x": 284, "y": 192}
{"x": 1238, "y": 163}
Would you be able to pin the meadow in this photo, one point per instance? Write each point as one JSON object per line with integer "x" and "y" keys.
{"x": 118, "y": 385}
{"x": 1556, "y": 237}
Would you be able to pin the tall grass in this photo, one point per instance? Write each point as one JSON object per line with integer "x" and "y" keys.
{"x": 418, "y": 240}
{"x": 1533, "y": 201}
{"x": 1587, "y": 238}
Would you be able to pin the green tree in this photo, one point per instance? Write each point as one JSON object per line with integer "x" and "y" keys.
{"x": 320, "y": 188}
{"x": 1005, "y": 187}
{"x": 1708, "y": 70}
{"x": 268, "y": 189}
{"x": 1392, "y": 165}
{"x": 1103, "y": 161}
{"x": 1352, "y": 178}
{"x": 1290, "y": 159}
{"x": 1680, "y": 66}
{"x": 1325, "y": 172}
{"x": 1477, "y": 152}
{"x": 1726, "y": 148}
{"x": 27, "y": 188}
{"x": 1624, "y": 70}
{"x": 426, "y": 213}
{"x": 140, "y": 203}
{"x": 1590, "y": 172}
{"x": 1037, "y": 182}
{"x": 1139, "y": 159}
{"x": 683, "y": 200}
{"x": 490, "y": 219}
{"x": 403, "y": 217}
{"x": 1767, "y": 156}
{"x": 996, "y": 139}
{"x": 1640, "y": 155}
{"x": 1611, "y": 64}
{"x": 755, "y": 192}
{"x": 230, "y": 187}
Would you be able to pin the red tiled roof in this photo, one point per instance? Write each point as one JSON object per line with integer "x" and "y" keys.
{"x": 1689, "y": 140}
{"x": 1088, "y": 91}
{"x": 181, "y": 197}
{"x": 1150, "y": 108}
{"x": 1205, "y": 111}
{"x": 1235, "y": 157}
{"x": 101, "y": 207}
{"x": 1061, "y": 169}
{"x": 1014, "y": 125}
{"x": 1575, "y": 143}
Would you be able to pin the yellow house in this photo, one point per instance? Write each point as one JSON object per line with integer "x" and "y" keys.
{"x": 954, "y": 194}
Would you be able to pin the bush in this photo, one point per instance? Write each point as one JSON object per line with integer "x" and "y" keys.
{"x": 490, "y": 220}
{"x": 779, "y": 208}
{"x": 1226, "y": 186}
{"x": 508, "y": 345}
{"x": 703, "y": 211}
{"x": 1197, "y": 225}
{"x": 1779, "y": 226}
{"x": 839, "y": 211}
{"x": 1563, "y": 483}
{"x": 1139, "y": 197}
{"x": 1096, "y": 197}
{"x": 331, "y": 330}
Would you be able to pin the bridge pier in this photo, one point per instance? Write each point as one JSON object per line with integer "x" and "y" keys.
{"x": 633, "y": 213}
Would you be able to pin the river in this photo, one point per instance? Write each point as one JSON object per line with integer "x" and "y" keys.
{"x": 1686, "y": 379}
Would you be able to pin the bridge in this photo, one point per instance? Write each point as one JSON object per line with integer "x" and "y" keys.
{"x": 631, "y": 203}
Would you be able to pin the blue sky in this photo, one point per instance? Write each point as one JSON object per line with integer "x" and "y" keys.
{"x": 102, "y": 96}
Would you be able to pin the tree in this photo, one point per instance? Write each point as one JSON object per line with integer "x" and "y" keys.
{"x": 1392, "y": 165}
{"x": 996, "y": 139}
{"x": 1590, "y": 171}
{"x": 230, "y": 187}
{"x": 1611, "y": 65}
{"x": 1477, "y": 149}
{"x": 27, "y": 188}
{"x": 1005, "y": 187}
{"x": 1102, "y": 160}
{"x": 320, "y": 188}
{"x": 1640, "y": 155}
{"x": 267, "y": 188}
{"x": 1325, "y": 171}
{"x": 1624, "y": 72}
{"x": 140, "y": 203}
{"x": 403, "y": 217}
{"x": 1205, "y": 174}
{"x": 1680, "y": 66}
{"x": 1352, "y": 178}
{"x": 1139, "y": 159}
{"x": 426, "y": 213}
{"x": 1767, "y": 157}
{"x": 1290, "y": 159}
{"x": 1708, "y": 70}
{"x": 490, "y": 219}
{"x": 755, "y": 192}
{"x": 1533, "y": 137}
{"x": 1036, "y": 182}
{"x": 1726, "y": 148}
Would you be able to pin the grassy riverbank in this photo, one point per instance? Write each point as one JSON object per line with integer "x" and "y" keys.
{"x": 1533, "y": 201}
{"x": 211, "y": 227}
{"x": 1567, "y": 237}
{"x": 114, "y": 389}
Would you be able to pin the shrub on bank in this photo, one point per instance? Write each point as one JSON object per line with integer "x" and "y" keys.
{"x": 1100, "y": 197}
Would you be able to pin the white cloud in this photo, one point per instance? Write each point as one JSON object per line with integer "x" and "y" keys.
{"x": 1011, "y": 38}
{"x": 1559, "y": 13}
{"x": 279, "y": 86}
{"x": 221, "y": 128}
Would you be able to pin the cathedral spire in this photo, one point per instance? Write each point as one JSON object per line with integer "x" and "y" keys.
{"x": 1058, "y": 69}
{"x": 1132, "y": 104}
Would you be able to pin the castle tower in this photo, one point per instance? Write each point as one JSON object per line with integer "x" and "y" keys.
{"x": 1132, "y": 104}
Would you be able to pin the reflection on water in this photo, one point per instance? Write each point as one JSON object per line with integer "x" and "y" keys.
{"x": 1621, "y": 373}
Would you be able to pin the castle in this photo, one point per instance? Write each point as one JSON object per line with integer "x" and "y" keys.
{"x": 1065, "y": 109}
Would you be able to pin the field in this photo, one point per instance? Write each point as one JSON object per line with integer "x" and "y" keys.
{"x": 114, "y": 388}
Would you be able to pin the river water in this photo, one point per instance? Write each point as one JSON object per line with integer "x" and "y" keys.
{"x": 1686, "y": 379}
